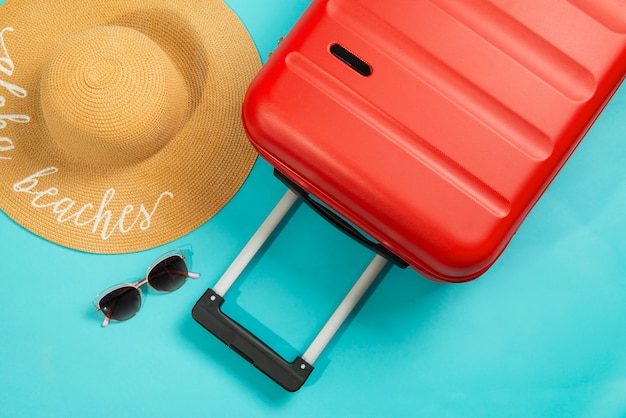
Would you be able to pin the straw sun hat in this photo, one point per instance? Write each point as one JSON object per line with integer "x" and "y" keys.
{"x": 120, "y": 120}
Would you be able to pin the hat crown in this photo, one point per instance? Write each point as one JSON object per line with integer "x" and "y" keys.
{"x": 110, "y": 95}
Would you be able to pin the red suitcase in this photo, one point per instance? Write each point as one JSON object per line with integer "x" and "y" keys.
{"x": 433, "y": 126}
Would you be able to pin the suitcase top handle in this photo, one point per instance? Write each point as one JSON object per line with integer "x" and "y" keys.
{"x": 339, "y": 222}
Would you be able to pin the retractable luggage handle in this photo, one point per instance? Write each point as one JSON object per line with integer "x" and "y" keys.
{"x": 290, "y": 375}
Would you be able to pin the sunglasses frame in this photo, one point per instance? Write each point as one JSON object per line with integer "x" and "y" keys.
{"x": 172, "y": 253}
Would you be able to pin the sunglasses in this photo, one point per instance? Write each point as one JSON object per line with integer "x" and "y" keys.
{"x": 121, "y": 302}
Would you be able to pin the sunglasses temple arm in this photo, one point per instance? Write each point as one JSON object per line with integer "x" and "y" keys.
{"x": 255, "y": 243}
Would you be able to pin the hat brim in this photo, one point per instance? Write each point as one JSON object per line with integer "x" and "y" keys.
{"x": 118, "y": 209}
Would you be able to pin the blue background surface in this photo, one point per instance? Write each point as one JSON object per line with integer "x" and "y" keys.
{"x": 542, "y": 333}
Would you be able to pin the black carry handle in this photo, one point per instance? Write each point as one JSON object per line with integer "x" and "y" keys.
{"x": 339, "y": 222}
{"x": 290, "y": 376}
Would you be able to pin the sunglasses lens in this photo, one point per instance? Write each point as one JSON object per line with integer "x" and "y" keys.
{"x": 169, "y": 274}
{"x": 121, "y": 304}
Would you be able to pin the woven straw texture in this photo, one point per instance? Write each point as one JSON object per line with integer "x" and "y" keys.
{"x": 120, "y": 127}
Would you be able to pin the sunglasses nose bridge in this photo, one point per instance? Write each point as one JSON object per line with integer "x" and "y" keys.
{"x": 141, "y": 282}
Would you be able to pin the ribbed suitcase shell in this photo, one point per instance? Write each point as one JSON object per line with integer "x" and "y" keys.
{"x": 469, "y": 112}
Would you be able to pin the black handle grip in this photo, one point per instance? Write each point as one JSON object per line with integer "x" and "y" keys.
{"x": 207, "y": 312}
{"x": 339, "y": 222}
